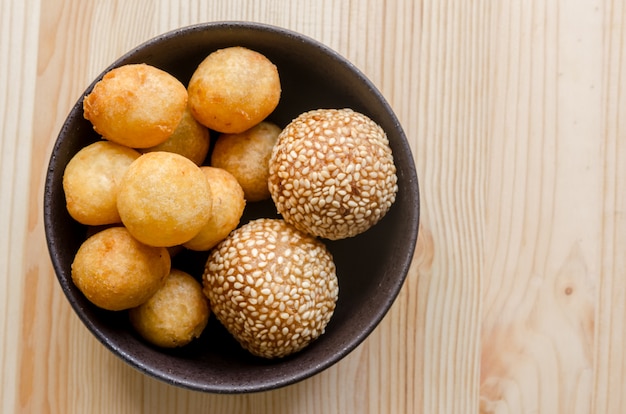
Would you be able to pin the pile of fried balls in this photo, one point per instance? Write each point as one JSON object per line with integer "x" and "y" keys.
{"x": 151, "y": 187}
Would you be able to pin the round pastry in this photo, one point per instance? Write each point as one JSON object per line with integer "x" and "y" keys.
{"x": 190, "y": 139}
{"x": 175, "y": 315}
{"x": 136, "y": 105}
{"x": 246, "y": 156}
{"x": 91, "y": 180}
{"x": 273, "y": 287}
{"x": 116, "y": 272}
{"x": 332, "y": 173}
{"x": 233, "y": 89}
{"x": 228, "y": 204}
{"x": 164, "y": 199}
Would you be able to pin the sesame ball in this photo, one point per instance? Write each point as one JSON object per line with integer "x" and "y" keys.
{"x": 332, "y": 173}
{"x": 272, "y": 286}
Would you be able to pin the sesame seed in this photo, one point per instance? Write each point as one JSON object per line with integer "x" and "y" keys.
{"x": 354, "y": 155}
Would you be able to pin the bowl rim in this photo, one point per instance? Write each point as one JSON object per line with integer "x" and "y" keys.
{"x": 412, "y": 221}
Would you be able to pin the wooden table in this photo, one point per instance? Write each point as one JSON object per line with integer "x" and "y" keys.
{"x": 516, "y": 113}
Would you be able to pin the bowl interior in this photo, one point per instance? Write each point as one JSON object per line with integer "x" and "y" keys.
{"x": 371, "y": 267}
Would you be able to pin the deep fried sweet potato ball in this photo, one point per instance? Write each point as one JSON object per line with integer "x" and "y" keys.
{"x": 246, "y": 156}
{"x": 190, "y": 139}
{"x": 91, "y": 181}
{"x": 175, "y": 315}
{"x": 116, "y": 272}
{"x": 227, "y": 208}
{"x": 233, "y": 89}
{"x": 136, "y": 105}
{"x": 164, "y": 199}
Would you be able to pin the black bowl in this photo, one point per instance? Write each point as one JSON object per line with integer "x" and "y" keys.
{"x": 371, "y": 267}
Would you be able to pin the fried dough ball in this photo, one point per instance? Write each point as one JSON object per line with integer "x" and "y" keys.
{"x": 246, "y": 156}
{"x": 228, "y": 204}
{"x": 332, "y": 173}
{"x": 164, "y": 199}
{"x": 91, "y": 181}
{"x": 136, "y": 105}
{"x": 190, "y": 139}
{"x": 175, "y": 315}
{"x": 233, "y": 89}
{"x": 116, "y": 272}
{"x": 273, "y": 287}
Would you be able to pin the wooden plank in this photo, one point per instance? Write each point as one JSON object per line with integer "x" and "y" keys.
{"x": 515, "y": 112}
{"x": 18, "y": 32}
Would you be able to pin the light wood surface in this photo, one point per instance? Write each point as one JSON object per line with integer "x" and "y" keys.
{"x": 516, "y": 113}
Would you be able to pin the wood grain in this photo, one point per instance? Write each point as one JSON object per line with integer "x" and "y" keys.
{"x": 516, "y": 114}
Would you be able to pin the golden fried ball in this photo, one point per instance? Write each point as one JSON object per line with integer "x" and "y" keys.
{"x": 116, "y": 272}
{"x": 164, "y": 199}
{"x": 332, "y": 173}
{"x": 233, "y": 89}
{"x": 91, "y": 181}
{"x": 246, "y": 156}
{"x": 273, "y": 287}
{"x": 228, "y": 204}
{"x": 175, "y": 315}
{"x": 136, "y": 105}
{"x": 190, "y": 139}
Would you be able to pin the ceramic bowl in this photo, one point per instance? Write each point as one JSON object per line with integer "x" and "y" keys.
{"x": 371, "y": 267}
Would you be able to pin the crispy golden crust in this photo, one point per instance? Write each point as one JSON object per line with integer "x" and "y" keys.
{"x": 137, "y": 105}
{"x": 175, "y": 315}
{"x": 228, "y": 204}
{"x": 246, "y": 156}
{"x": 116, "y": 272}
{"x": 91, "y": 181}
{"x": 164, "y": 199}
{"x": 233, "y": 89}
